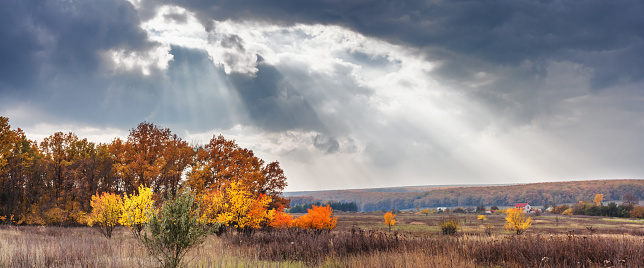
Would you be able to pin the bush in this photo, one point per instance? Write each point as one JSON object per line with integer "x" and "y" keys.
{"x": 561, "y": 209}
{"x": 449, "y": 226}
{"x": 174, "y": 229}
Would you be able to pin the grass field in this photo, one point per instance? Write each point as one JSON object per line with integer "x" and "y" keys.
{"x": 360, "y": 240}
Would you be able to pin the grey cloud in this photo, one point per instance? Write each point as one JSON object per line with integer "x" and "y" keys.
{"x": 272, "y": 102}
{"x": 327, "y": 144}
{"x": 52, "y": 56}
{"x": 498, "y": 32}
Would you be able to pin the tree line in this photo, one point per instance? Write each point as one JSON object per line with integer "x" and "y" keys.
{"x": 346, "y": 207}
{"x": 536, "y": 194}
{"x": 52, "y": 182}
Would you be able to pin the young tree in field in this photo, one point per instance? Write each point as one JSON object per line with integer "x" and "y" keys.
{"x": 319, "y": 218}
{"x": 106, "y": 212}
{"x": 516, "y": 220}
{"x": 174, "y": 229}
{"x": 136, "y": 209}
{"x": 449, "y": 225}
{"x": 389, "y": 219}
{"x": 598, "y": 199}
{"x": 425, "y": 211}
{"x": 481, "y": 218}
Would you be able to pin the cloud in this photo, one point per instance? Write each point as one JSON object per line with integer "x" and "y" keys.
{"x": 344, "y": 95}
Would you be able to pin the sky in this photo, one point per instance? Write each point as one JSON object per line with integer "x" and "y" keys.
{"x": 344, "y": 94}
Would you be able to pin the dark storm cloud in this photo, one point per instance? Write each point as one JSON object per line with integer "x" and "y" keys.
{"x": 488, "y": 33}
{"x": 272, "y": 102}
{"x": 51, "y": 56}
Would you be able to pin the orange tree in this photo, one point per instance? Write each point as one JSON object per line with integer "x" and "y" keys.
{"x": 281, "y": 219}
{"x": 516, "y": 220}
{"x": 222, "y": 162}
{"x": 106, "y": 212}
{"x": 389, "y": 219}
{"x": 318, "y": 218}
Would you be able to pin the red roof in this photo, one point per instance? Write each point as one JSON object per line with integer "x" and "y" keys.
{"x": 520, "y": 205}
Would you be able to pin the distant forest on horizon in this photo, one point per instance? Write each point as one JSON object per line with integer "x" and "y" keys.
{"x": 536, "y": 194}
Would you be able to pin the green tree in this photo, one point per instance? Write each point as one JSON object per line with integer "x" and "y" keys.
{"x": 174, "y": 229}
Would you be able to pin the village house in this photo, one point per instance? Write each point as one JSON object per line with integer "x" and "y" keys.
{"x": 525, "y": 206}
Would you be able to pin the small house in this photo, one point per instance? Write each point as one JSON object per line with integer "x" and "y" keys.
{"x": 525, "y": 206}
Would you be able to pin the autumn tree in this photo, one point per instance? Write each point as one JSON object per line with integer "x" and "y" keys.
{"x": 516, "y": 220}
{"x": 222, "y": 162}
{"x": 281, "y": 219}
{"x": 389, "y": 219}
{"x": 106, "y": 212}
{"x": 630, "y": 200}
{"x": 449, "y": 225}
{"x": 425, "y": 211}
{"x": 598, "y": 199}
{"x": 151, "y": 156}
{"x": 136, "y": 209}
{"x": 319, "y": 218}
{"x": 236, "y": 207}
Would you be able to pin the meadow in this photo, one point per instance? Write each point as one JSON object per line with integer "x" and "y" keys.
{"x": 360, "y": 240}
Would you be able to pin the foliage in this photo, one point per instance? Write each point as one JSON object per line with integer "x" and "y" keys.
{"x": 567, "y": 212}
{"x": 458, "y": 210}
{"x": 136, "y": 208}
{"x": 389, "y": 219}
{"x": 449, "y": 225}
{"x": 237, "y": 207}
{"x": 222, "y": 162}
{"x": 318, "y": 218}
{"x": 516, "y": 220}
{"x": 630, "y": 200}
{"x": 637, "y": 212}
{"x": 425, "y": 211}
{"x": 281, "y": 219}
{"x": 560, "y": 209}
{"x": 598, "y": 199}
{"x": 481, "y": 217}
{"x": 106, "y": 212}
{"x": 174, "y": 229}
{"x": 346, "y": 207}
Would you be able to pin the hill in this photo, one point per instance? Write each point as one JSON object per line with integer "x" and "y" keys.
{"x": 537, "y": 194}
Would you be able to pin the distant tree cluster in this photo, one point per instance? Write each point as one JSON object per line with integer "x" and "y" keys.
{"x": 628, "y": 208}
{"x": 346, "y": 207}
{"x": 52, "y": 182}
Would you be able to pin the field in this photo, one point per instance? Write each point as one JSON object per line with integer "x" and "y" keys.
{"x": 360, "y": 240}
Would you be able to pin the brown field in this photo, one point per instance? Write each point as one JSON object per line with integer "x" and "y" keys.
{"x": 361, "y": 240}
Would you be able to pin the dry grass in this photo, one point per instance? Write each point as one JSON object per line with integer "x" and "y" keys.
{"x": 361, "y": 240}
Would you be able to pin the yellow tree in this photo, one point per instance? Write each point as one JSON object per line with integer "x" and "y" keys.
{"x": 236, "y": 207}
{"x": 425, "y": 211}
{"x": 136, "y": 208}
{"x": 389, "y": 219}
{"x": 516, "y": 220}
{"x": 106, "y": 212}
{"x": 598, "y": 199}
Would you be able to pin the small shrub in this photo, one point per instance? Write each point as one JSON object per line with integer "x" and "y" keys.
{"x": 449, "y": 226}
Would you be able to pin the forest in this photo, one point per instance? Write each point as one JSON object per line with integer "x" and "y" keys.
{"x": 52, "y": 182}
{"x": 537, "y": 194}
